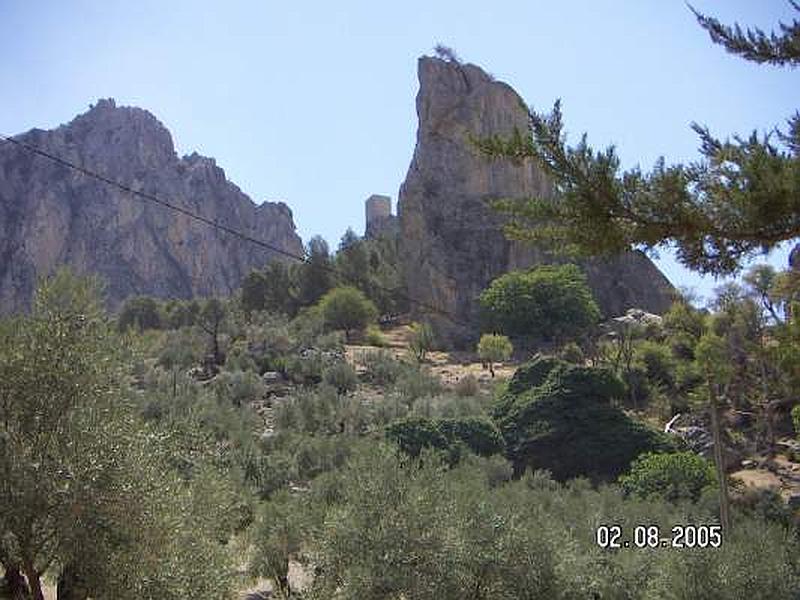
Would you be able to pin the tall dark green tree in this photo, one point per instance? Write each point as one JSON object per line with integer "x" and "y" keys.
{"x": 139, "y": 312}
{"x": 740, "y": 198}
{"x": 212, "y": 315}
{"x": 316, "y": 275}
{"x": 254, "y": 292}
{"x": 353, "y": 263}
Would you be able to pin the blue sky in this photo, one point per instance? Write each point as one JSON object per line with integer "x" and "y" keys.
{"x": 313, "y": 102}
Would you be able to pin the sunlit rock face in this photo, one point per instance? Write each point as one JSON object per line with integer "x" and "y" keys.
{"x": 51, "y": 215}
{"x": 452, "y": 242}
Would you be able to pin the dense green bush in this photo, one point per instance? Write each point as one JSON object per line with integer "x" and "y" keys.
{"x": 573, "y": 353}
{"x": 239, "y": 358}
{"x": 671, "y": 476}
{"x": 341, "y": 376}
{"x": 238, "y": 387}
{"x": 139, "y": 312}
{"x": 322, "y": 410}
{"x": 374, "y": 337}
{"x": 559, "y": 417}
{"x": 381, "y": 367}
{"x": 181, "y": 349}
{"x": 439, "y": 538}
{"x": 279, "y": 533}
{"x": 657, "y": 362}
{"x": 548, "y": 302}
{"x": 308, "y": 368}
{"x": 479, "y": 435}
{"x": 416, "y": 382}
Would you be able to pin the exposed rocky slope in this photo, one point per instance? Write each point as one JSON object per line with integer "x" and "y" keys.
{"x": 453, "y": 244}
{"x": 51, "y": 215}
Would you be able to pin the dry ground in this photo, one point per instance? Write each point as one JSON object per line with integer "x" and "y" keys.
{"x": 450, "y": 367}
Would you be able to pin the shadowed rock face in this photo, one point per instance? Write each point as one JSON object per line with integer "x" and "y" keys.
{"x": 452, "y": 242}
{"x": 51, "y": 215}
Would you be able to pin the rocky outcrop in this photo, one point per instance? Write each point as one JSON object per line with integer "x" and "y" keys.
{"x": 452, "y": 241}
{"x": 51, "y": 215}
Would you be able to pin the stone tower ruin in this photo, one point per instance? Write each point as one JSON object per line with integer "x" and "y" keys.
{"x": 379, "y": 215}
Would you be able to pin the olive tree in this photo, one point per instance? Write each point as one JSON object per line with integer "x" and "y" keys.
{"x": 348, "y": 309}
{"x": 494, "y": 348}
{"x": 89, "y": 493}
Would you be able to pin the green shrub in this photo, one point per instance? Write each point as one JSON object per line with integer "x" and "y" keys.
{"x": 381, "y": 367}
{"x": 414, "y": 434}
{"x": 559, "y": 417}
{"x": 322, "y": 410}
{"x": 279, "y": 535}
{"x": 415, "y": 382}
{"x": 763, "y": 503}
{"x": 239, "y": 358}
{"x": 307, "y": 326}
{"x": 140, "y": 313}
{"x": 306, "y": 369}
{"x": 479, "y": 435}
{"x": 573, "y": 353}
{"x": 341, "y": 376}
{"x": 671, "y": 476}
{"x": 375, "y": 337}
{"x": 467, "y": 386}
{"x": 181, "y": 349}
{"x": 657, "y": 362}
{"x": 238, "y": 387}
{"x": 332, "y": 340}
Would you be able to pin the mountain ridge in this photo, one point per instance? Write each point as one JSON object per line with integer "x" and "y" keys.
{"x": 50, "y": 215}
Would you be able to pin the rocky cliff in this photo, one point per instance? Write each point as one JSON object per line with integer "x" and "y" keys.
{"x": 452, "y": 242}
{"x": 51, "y": 215}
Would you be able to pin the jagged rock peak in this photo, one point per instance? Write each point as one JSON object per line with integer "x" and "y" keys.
{"x": 51, "y": 215}
{"x": 452, "y": 242}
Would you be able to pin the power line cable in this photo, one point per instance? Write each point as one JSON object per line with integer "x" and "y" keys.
{"x": 211, "y": 222}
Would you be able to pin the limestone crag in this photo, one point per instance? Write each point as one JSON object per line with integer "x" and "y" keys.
{"x": 51, "y": 215}
{"x": 452, "y": 241}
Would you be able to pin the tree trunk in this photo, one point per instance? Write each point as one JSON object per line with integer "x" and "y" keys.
{"x": 34, "y": 581}
{"x": 719, "y": 461}
{"x": 768, "y": 413}
{"x": 216, "y": 346}
{"x": 15, "y": 584}
{"x": 491, "y": 368}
